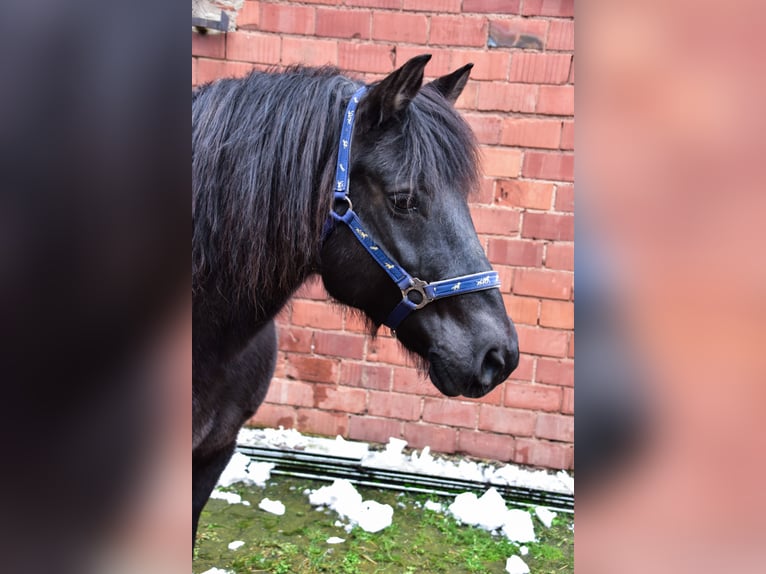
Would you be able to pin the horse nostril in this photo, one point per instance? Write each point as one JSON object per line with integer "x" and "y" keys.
{"x": 492, "y": 367}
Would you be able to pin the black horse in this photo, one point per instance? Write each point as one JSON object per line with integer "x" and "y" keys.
{"x": 264, "y": 152}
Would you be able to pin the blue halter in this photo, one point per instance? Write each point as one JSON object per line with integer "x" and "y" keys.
{"x": 416, "y": 293}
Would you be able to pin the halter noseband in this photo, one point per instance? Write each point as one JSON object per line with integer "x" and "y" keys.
{"x": 416, "y": 293}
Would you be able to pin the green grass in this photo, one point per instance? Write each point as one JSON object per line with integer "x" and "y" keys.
{"x": 419, "y": 540}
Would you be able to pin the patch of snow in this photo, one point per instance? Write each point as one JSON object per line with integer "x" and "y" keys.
{"x": 343, "y": 498}
{"x": 435, "y": 506}
{"x": 490, "y": 513}
{"x": 393, "y": 457}
{"x": 335, "y": 540}
{"x": 518, "y": 526}
{"x": 545, "y": 516}
{"x": 218, "y": 571}
{"x": 515, "y": 565}
{"x": 242, "y": 469}
{"x": 523, "y": 550}
{"x": 237, "y": 544}
{"x": 272, "y": 506}
{"x": 230, "y": 497}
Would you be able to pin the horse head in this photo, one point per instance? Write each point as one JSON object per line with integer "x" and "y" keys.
{"x": 413, "y": 161}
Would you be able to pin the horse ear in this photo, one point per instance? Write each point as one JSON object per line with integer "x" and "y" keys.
{"x": 451, "y": 85}
{"x": 394, "y": 92}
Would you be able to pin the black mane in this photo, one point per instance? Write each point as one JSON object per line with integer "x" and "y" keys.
{"x": 263, "y": 163}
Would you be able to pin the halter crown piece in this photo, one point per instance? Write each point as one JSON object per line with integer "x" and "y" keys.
{"x": 416, "y": 293}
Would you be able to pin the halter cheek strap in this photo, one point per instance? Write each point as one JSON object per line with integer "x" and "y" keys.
{"x": 416, "y": 293}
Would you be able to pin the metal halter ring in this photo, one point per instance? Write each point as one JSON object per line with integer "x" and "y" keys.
{"x": 418, "y": 286}
{"x": 336, "y": 202}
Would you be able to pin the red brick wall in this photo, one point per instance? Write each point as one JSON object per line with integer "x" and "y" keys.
{"x": 331, "y": 379}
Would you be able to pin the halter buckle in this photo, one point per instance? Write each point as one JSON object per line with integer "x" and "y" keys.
{"x": 416, "y": 294}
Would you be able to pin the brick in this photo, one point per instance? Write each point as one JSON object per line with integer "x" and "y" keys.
{"x": 343, "y": 23}
{"x": 519, "y": 33}
{"x": 532, "y": 397}
{"x": 376, "y": 377}
{"x": 570, "y": 350}
{"x": 532, "y": 68}
{"x": 388, "y": 350}
{"x": 366, "y": 57}
{"x": 308, "y": 368}
{"x": 398, "y": 27}
{"x": 560, "y": 8}
{"x": 450, "y": 412}
{"x": 515, "y": 252}
{"x": 557, "y": 314}
{"x": 373, "y": 429}
{"x": 522, "y": 310}
{"x": 506, "y": 421}
{"x": 467, "y": 100}
{"x": 561, "y": 35}
{"x": 565, "y": 197}
{"x": 545, "y": 342}
{"x": 485, "y": 445}
{"x": 507, "y": 97}
{"x": 317, "y": 314}
{"x": 486, "y": 192}
{"x": 567, "y": 135}
{"x": 548, "y": 226}
{"x": 390, "y": 4}
{"x": 346, "y": 399}
{"x": 209, "y": 45}
{"x": 274, "y": 416}
{"x": 294, "y": 393}
{"x": 194, "y": 72}
{"x": 494, "y": 397}
{"x": 495, "y": 220}
{"x": 525, "y": 370}
{"x": 486, "y": 128}
{"x": 486, "y": 65}
{"x": 543, "y": 283}
{"x": 544, "y": 454}
{"x": 312, "y": 289}
{"x": 440, "y": 439}
{"x": 295, "y": 339}
{"x": 280, "y": 369}
{"x": 432, "y": 5}
{"x": 211, "y": 70}
{"x": 458, "y": 31}
{"x": 287, "y": 19}
{"x": 524, "y": 194}
{"x": 353, "y": 321}
{"x": 309, "y": 51}
{"x": 395, "y": 405}
{"x": 500, "y": 161}
{"x": 249, "y": 16}
{"x": 567, "y": 405}
{"x": 340, "y": 345}
{"x": 556, "y": 101}
{"x": 548, "y": 165}
{"x": 322, "y": 422}
{"x": 555, "y": 427}
{"x": 409, "y": 380}
{"x": 559, "y": 256}
{"x": 531, "y": 133}
{"x": 506, "y": 277}
{"x": 555, "y": 372}
{"x": 492, "y": 6}
{"x": 252, "y": 47}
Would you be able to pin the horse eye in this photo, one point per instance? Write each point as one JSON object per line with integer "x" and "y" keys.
{"x": 404, "y": 202}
